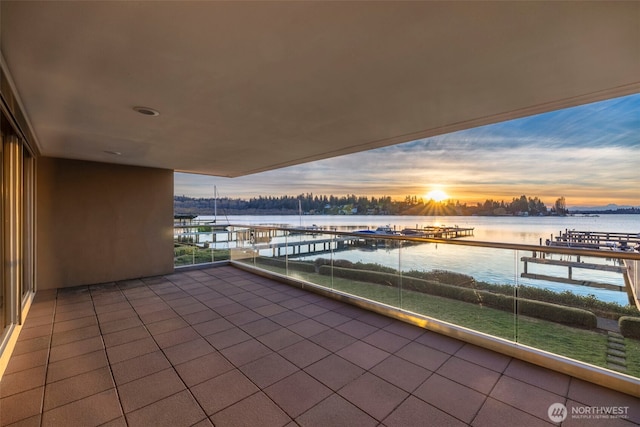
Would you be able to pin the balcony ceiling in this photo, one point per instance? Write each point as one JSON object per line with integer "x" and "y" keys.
{"x": 246, "y": 87}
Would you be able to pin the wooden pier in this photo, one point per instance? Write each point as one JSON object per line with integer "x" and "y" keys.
{"x": 596, "y": 240}
{"x": 570, "y": 266}
{"x": 308, "y": 247}
{"x": 434, "y": 232}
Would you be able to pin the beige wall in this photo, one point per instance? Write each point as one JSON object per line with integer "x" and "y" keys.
{"x": 99, "y": 222}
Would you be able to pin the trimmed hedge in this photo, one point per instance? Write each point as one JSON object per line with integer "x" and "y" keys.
{"x": 293, "y": 265}
{"x": 630, "y": 327}
{"x": 542, "y": 310}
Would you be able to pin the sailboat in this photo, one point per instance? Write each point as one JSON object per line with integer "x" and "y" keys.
{"x": 214, "y": 223}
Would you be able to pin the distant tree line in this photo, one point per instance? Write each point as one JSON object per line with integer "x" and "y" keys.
{"x": 617, "y": 211}
{"x": 311, "y": 204}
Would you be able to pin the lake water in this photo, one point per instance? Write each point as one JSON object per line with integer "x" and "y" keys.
{"x": 489, "y": 265}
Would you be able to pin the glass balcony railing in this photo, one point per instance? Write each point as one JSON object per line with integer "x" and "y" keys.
{"x": 196, "y": 242}
{"x": 554, "y": 301}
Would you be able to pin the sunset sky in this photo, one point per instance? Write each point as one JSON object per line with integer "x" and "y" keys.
{"x": 589, "y": 154}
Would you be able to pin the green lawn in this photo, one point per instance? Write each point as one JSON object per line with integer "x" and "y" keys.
{"x": 583, "y": 345}
{"x": 633, "y": 357}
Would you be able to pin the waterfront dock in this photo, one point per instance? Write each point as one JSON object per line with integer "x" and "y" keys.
{"x": 571, "y": 265}
{"x": 309, "y": 247}
{"x": 596, "y": 240}
{"x": 436, "y": 232}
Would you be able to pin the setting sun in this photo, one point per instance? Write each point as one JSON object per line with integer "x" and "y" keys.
{"x": 437, "y": 195}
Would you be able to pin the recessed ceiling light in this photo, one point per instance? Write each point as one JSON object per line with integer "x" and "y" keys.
{"x": 146, "y": 111}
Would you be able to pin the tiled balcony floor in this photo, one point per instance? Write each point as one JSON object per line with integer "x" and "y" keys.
{"x": 225, "y": 347}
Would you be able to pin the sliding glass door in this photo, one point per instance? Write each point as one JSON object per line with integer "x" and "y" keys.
{"x": 17, "y": 170}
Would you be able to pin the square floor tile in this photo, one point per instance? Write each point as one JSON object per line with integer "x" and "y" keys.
{"x": 332, "y": 319}
{"x": 21, "y": 406}
{"x": 335, "y": 411}
{"x": 483, "y": 357}
{"x": 227, "y": 338}
{"x": 152, "y": 388}
{"x": 440, "y": 342}
{"x": 138, "y": 367}
{"x": 223, "y": 391}
{"x": 260, "y": 327}
{"x": 455, "y": 399}
{"x": 288, "y": 318}
{"x": 177, "y": 336}
{"x": 244, "y": 317}
{"x": 255, "y": 410}
{"x": 333, "y": 340}
{"x": 74, "y": 324}
{"x": 297, "y": 393}
{"x": 279, "y": 339}
{"x": 334, "y": 371}
{"x": 357, "y": 329}
{"x": 125, "y": 336}
{"x": 245, "y": 352}
{"x": 66, "y": 337}
{"x": 75, "y": 388}
{"x": 201, "y": 316}
{"x": 537, "y": 376}
{"x": 131, "y": 349}
{"x": 203, "y": 368}
{"x": 75, "y": 348}
{"x": 404, "y": 330}
{"x": 401, "y": 373}
{"x": 308, "y": 328}
{"x": 119, "y": 325}
{"x": 213, "y": 326}
{"x": 188, "y": 350}
{"x": 178, "y": 410}
{"x": 73, "y": 366}
{"x": 362, "y": 354}
{"x": 474, "y": 376}
{"x": 158, "y": 315}
{"x": 422, "y": 355}
{"x": 169, "y": 324}
{"x": 415, "y": 412}
{"x": 21, "y": 381}
{"x": 93, "y": 410}
{"x": 386, "y": 341}
{"x": 373, "y": 395}
{"x": 497, "y": 414}
{"x": 528, "y": 398}
{"x": 304, "y": 353}
{"x": 268, "y": 370}
{"x": 311, "y": 310}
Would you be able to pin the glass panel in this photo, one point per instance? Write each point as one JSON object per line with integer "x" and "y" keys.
{"x": 13, "y": 226}
{"x": 575, "y": 309}
{"x": 466, "y": 286}
{"x": 200, "y": 241}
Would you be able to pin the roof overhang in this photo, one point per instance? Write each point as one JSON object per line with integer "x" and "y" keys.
{"x": 244, "y": 87}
